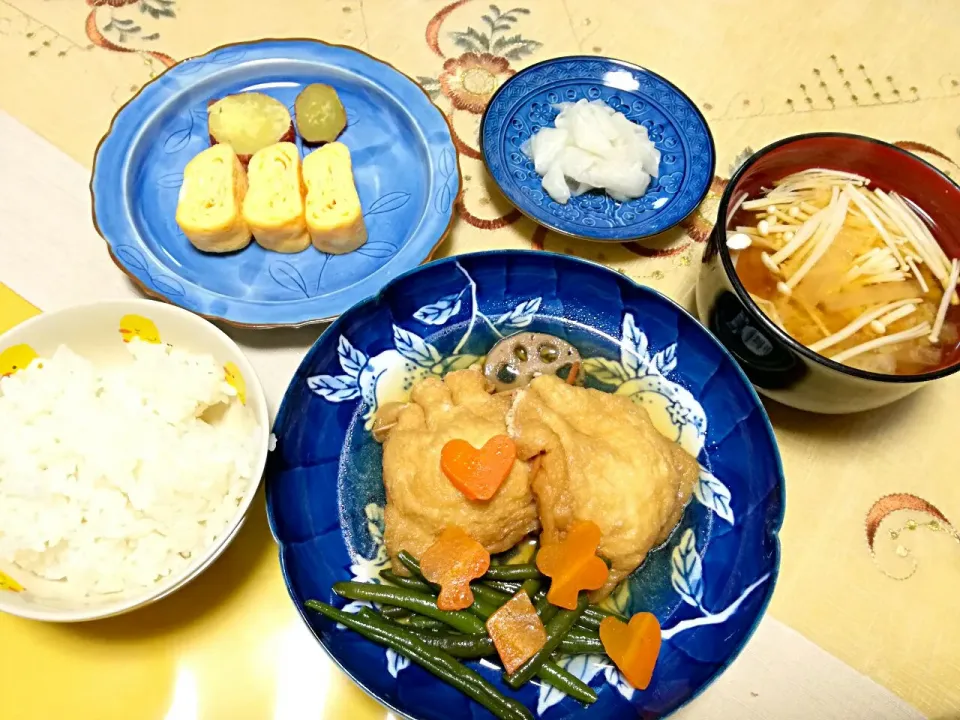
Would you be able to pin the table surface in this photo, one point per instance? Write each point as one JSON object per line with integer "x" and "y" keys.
{"x": 847, "y": 620}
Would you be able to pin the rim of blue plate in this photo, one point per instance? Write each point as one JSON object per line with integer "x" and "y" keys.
{"x": 773, "y": 529}
{"x": 117, "y": 171}
{"x": 520, "y": 202}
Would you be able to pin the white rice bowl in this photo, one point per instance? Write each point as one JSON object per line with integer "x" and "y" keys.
{"x": 125, "y": 468}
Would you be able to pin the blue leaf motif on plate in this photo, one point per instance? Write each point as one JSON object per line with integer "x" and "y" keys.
{"x": 228, "y": 57}
{"x": 395, "y": 662}
{"x": 353, "y": 608}
{"x": 447, "y": 192}
{"x": 608, "y": 372}
{"x": 686, "y": 574}
{"x": 170, "y": 181}
{"x": 288, "y": 277}
{"x": 178, "y": 139}
{"x": 613, "y": 677}
{"x": 335, "y": 388}
{"x": 665, "y": 361}
{"x": 439, "y": 312}
{"x": 582, "y": 667}
{"x": 169, "y": 286}
{"x": 131, "y": 257}
{"x": 387, "y": 203}
{"x": 378, "y": 249}
{"x": 522, "y": 315}
{"x": 190, "y": 66}
{"x": 713, "y": 494}
{"x": 634, "y": 355}
{"x": 351, "y": 359}
{"x": 414, "y": 348}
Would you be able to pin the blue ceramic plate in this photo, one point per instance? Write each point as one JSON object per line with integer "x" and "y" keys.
{"x": 525, "y": 104}
{"x": 404, "y": 160}
{"x": 708, "y": 585}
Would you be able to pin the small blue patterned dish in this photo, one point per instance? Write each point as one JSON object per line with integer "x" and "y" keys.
{"x": 708, "y": 584}
{"x": 525, "y": 103}
{"x": 405, "y": 166}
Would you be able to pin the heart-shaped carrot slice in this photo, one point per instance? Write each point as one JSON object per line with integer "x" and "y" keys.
{"x": 572, "y": 564}
{"x": 478, "y": 474}
{"x": 633, "y": 647}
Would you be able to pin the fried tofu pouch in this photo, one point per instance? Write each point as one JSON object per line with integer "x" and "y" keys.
{"x": 421, "y": 501}
{"x": 209, "y": 208}
{"x": 334, "y": 216}
{"x": 601, "y": 459}
{"x": 273, "y": 207}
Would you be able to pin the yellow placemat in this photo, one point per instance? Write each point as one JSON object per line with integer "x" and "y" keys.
{"x": 759, "y": 71}
{"x": 13, "y": 309}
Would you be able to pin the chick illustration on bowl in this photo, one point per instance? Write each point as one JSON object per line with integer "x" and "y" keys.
{"x": 235, "y": 380}
{"x": 137, "y": 326}
{"x": 16, "y": 358}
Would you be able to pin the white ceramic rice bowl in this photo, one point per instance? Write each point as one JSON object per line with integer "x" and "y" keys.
{"x": 92, "y": 331}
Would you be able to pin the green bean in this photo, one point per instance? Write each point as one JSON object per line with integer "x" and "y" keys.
{"x": 483, "y": 609}
{"x": 394, "y": 613}
{"x": 475, "y": 646}
{"x": 582, "y": 642}
{"x": 462, "y": 646}
{"x": 419, "y": 602}
{"x": 553, "y": 674}
{"x": 419, "y": 622}
{"x": 490, "y": 595}
{"x": 557, "y": 628}
{"x": 411, "y": 583}
{"x": 593, "y": 616}
{"x": 510, "y": 588}
{"x": 531, "y": 586}
{"x": 512, "y": 572}
{"x": 545, "y": 610}
{"x": 437, "y": 662}
{"x": 411, "y": 564}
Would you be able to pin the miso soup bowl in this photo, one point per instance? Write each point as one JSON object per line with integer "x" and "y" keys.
{"x": 779, "y": 366}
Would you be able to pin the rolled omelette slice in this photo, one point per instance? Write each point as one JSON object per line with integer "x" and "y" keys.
{"x": 273, "y": 206}
{"x": 211, "y": 197}
{"x": 334, "y": 215}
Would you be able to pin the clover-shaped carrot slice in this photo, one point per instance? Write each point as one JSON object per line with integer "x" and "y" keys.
{"x": 517, "y": 631}
{"x": 633, "y": 647}
{"x": 572, "y": 565}
{"x": 478, "y": 474}
{"x": 452, "y": 562}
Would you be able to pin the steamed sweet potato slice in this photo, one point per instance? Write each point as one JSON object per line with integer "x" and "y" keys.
{"x": 249, "y": 122}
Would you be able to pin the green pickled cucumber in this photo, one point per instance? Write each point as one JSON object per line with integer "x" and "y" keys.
{"x": 320, "y": 114}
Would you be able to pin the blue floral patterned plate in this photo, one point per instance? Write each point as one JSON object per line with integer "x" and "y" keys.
{"x": 525, "y": 103}
{"x": 708, "y": 584}
{"x": 405, "y": 165}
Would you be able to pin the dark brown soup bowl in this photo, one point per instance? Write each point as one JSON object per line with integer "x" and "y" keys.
{"x": 779, "y": 366}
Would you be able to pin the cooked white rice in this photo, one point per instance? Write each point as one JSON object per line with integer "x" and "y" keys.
{"x": 114, "y": 479}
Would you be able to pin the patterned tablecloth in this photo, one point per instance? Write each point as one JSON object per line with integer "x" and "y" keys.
{"x": 871, "y": 563}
